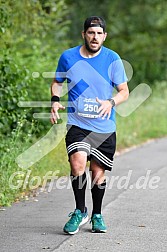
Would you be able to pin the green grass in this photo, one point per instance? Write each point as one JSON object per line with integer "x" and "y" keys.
{"x": 147, "y": 122}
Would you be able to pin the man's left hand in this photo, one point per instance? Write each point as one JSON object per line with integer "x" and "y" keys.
{"x": 105, "y": 108}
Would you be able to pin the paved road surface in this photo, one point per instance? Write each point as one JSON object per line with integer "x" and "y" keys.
{"x": 135, "y": 213}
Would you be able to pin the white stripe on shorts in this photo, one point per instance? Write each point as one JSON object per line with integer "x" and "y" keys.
{"x": 102, "y": 157}
{"x": 78, "y": 145}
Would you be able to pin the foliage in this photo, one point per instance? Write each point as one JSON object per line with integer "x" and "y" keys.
{"x": 140, "y": 38}
{"x": 11, "y": 147}
{"x": 136, "y": 31}
{"x": 35, "y": 33}
{"x": 31, "y": 32}
{"x": 32, "y": 35}
{"x": 13, "y": 83}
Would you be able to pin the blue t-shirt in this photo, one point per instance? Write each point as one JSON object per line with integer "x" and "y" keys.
{"x": 88, "y": 78}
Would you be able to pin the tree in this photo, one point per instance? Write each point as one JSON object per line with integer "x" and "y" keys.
{"x": 136, "y": 30}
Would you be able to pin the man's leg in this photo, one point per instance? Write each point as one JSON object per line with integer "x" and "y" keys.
{"x": 101, "y": 154}
{"x": 97, "y": 190}
{"x": 98, "y": 186}
{"x": 78, "y": 178}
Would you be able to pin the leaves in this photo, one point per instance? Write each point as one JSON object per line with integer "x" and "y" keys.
{"x": 136, "y": 30}
{"x": 30, "y": 32}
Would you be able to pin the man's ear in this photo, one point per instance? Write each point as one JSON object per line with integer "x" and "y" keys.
{"x": 105, "y": 35}
{"x": 83, "y": 34}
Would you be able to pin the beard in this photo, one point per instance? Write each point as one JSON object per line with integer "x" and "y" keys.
{"x": 90, "y": 49}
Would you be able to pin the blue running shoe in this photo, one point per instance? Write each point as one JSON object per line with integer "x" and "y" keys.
{"x": 77, "y": 219}
{"x": 98, "y": 225}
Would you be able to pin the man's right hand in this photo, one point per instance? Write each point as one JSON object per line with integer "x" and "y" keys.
{"x": 54, "y": 112}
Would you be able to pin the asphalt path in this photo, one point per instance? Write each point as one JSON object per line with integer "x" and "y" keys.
{"x": 134, "y": 209}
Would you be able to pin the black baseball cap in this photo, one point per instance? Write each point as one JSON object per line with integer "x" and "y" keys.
{"x": 94, "y": 21}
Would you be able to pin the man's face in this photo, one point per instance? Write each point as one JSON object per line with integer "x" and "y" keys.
{"x": 94, "y": 38}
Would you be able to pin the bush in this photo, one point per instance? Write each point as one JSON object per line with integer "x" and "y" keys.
{"x": 13, "y": 84}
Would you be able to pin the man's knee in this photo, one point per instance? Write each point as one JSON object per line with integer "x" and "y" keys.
{"x": 97, "y": 173}
{"x": 78, "y": 163}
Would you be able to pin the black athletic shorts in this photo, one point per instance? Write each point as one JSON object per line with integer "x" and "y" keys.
{"x": 98, "y": 146}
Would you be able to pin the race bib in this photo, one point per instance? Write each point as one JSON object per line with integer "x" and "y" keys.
{"x": 88, "y": 107}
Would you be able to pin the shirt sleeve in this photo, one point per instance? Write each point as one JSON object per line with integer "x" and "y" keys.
{"x": 117, "y": 72}
{"x": 60, "y": 74}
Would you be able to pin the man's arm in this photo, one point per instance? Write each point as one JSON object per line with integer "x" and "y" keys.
{"x": 121, "y": 96}
{"x": 56, "y": 90}
{"x": 123, "y": 93}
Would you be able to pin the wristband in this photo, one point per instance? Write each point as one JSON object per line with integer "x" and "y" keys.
{"x": 55, "y": 98}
